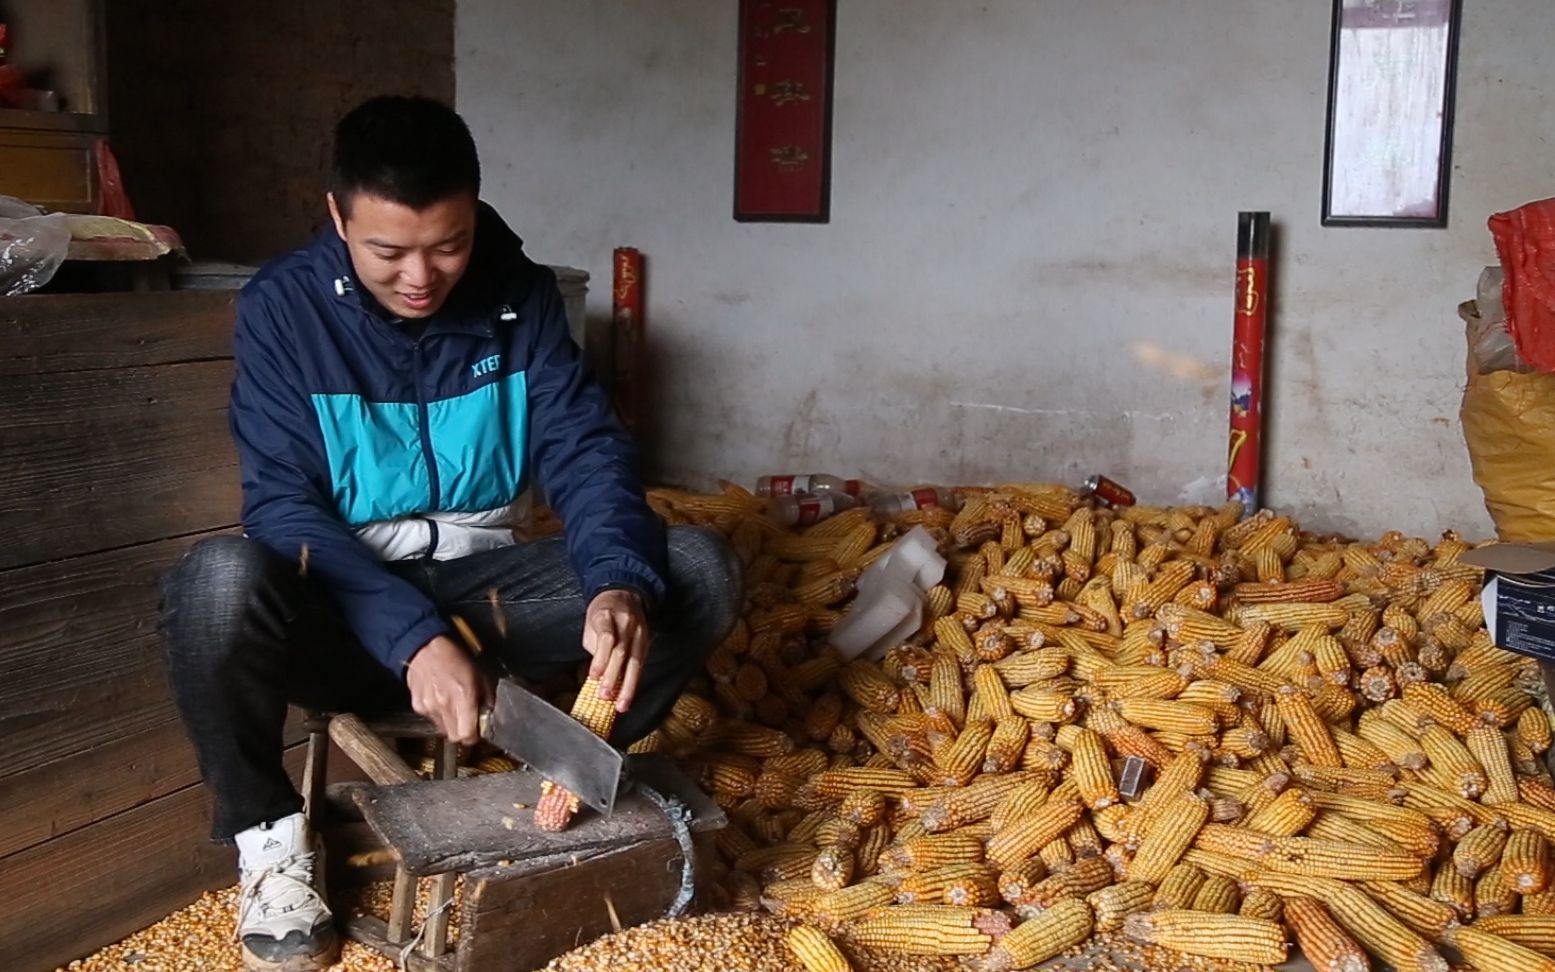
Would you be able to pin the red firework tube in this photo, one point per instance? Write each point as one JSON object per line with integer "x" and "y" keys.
{"x": 1252, "y": 304}
{"x": 627, "y": 336}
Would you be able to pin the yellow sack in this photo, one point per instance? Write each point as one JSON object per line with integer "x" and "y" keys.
{"x": 1509, "y": 424}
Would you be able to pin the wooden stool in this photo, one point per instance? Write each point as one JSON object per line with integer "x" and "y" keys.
{"x": 363, "y": 742}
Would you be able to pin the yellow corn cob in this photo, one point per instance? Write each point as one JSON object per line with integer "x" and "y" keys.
{"x": 960, "y": 760}
{"x": 1042, "y": 705}
{"x": 1525, "y": 862}
{"x": 1261, "y": 903}
{"x": 1328, "y": 825}
{"x": 1434, "y": 702}
{"x": 945, "y": 696}
{"x": 1306, "y": 729}
{"x": 1091, "y": 770}
{"x": 832, "y": 868}
{"x": 923, "y": 930}
{"x": 863, "y": 807}
{"x": 1428, "y": 917}
{"x": 866, "y": 684}
{"x": 1322, "y": 941}
{"x": 1488, "y": 747}
{"x": 1533, "y": 730}
{"x": 1480, "y": 849}
{"x": 1285, "y": 816}
{"x": 1294, "y": 617}
{"x": 1168, "y": 715}
{"x": 972, "y": 886}
{"x": 1493, "y": 895}
{"x": 1116, "y": 902}
{"x": 1218, "y": 895}
{"x": 834, "y": 784}
{"x": 1310, "y": 856}
{"x": 1402, "y": 749}
{"x": 962, "y": 806}
{"x": 1312, "y": 591}
{"x": 1492, "y": 953}
{"x": 1229, "y": 937}
{"x": 1066, "y": 924}
{"x": 1542, "y": 903}
{"x": 1536, "y": 932}
{"x": 1169, "y": 579}
{"x": 931, "y": 851}
{"x": 815, "y": 951}
{"x": 1360, "y": 753}
{"x": 852, "y": 902}
{"x": 1020, "y": 803}
{"x": 1174, "y": 828}
{"x": 1245, "y": 677}
{"x": 1452, "y": 888}
{"x": 1408, "y": 827}
{"x": 1019, "y": 839}
{"x": 1179, "y": 887}
{"x": 1026, "y": 667}
{"x": 1453, "y": 767}
{"x": 803, "y": 764}
{"x": 1007, "y": 744}
{"x": 1073, "y": 881}
{"x": 876, "y": 839}
{"x": 1378, "y": 931}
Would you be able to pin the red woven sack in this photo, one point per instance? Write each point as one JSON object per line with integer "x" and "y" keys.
{"x": 1525, "y": 239}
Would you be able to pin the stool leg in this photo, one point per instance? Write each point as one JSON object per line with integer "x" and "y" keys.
{"x": 436, "y": 939}
{"x": 314, "y": 770}
{"x": 402, "y": 907}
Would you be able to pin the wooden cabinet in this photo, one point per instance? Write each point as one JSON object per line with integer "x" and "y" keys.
{"x": 46, "y": 157}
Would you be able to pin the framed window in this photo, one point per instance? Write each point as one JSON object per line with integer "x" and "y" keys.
{"x": 1390, "y": 96}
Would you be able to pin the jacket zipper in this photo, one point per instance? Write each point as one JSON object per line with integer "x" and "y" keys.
{"x": 426, "y": 437}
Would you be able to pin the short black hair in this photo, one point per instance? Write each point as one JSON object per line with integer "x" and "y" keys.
{"x": 409, "y": 150}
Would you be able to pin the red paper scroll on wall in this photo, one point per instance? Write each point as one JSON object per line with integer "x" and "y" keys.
{"x": 782, "y": 169}
{"x": 627, "y": 337}
{"x": 1252, "y": 304}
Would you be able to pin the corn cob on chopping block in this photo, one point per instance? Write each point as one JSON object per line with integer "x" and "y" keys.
{"x": 1341, "y": 756}
{"x": 557, "y": 806}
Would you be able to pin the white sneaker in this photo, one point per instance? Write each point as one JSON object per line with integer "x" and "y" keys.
{"x": 283, "y": 922}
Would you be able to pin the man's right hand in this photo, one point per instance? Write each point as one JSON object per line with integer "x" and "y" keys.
{"x": 446, "y": 688}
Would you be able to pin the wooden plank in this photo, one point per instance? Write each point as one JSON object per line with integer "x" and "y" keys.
{"x": 80, "y": 789}
{"x": 78, "y": 638}
{"x": 518, "y": 920}
{"x": 70, "y": 896}
{"x": 80, "y": 332}
{"x": 112, "y": 878}
{"x": 458, "y": 825}
{"x": 94, "y": 460}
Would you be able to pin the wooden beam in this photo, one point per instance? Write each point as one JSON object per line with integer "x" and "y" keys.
{"x": 81, "y": 332}
{"x": 95, "y": 460}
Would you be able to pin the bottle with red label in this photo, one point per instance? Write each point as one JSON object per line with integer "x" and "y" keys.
{"x": 813, "y": 483}
{"x": 922, "y": 497}
{"x": 1108, "y": 492}
{"x": 802, "y": 511}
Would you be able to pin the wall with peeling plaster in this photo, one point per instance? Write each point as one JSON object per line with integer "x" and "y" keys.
{"x": 1027, "y": 272}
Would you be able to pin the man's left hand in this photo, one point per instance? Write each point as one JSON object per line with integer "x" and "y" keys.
{"x": 615, "y": 632}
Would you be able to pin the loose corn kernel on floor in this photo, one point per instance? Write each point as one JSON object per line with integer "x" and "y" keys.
{"x": 200, "y": 939}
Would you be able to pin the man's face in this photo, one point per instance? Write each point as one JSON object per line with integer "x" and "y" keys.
{"x": 408, "y": 259}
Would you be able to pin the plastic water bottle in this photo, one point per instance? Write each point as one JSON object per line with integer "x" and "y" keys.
{"x": 895, "y": 504}
{"x": 802, "y": 511}
{"x": 816, "y": 483}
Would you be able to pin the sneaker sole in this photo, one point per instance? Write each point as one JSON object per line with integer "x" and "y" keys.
{"x": 292, "y": 963}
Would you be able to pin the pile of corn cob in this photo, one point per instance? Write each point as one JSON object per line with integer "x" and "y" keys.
{"x": 1342, "y": 757}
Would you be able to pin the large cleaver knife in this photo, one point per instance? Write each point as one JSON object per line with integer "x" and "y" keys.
{"x": 556, "y": 745}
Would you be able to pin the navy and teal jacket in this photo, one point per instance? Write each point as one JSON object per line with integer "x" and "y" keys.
{"x": 350, "y": 426}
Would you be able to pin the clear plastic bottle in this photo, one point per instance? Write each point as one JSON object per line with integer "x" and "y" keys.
{"x": 813, "y": 483}
{"x": 895, "y": 504}
{"x": 802, "y": 511}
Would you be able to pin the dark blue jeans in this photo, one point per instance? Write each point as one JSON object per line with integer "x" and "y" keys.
{"x": 246, "y": 634}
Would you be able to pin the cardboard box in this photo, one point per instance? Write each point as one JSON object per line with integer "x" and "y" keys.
{"x": 1519, "y": 595}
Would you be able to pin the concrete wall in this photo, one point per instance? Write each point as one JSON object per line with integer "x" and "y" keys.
{"x": 223, "y": 110}
{"x": 1027, "y": 272}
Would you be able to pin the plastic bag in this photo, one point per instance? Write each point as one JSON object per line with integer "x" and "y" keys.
{"x": 32, "y": 246}
{"x": 1508, "y": 421}
{"x": 1490, "y": 344}
{"x": 1525, "y": 239}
